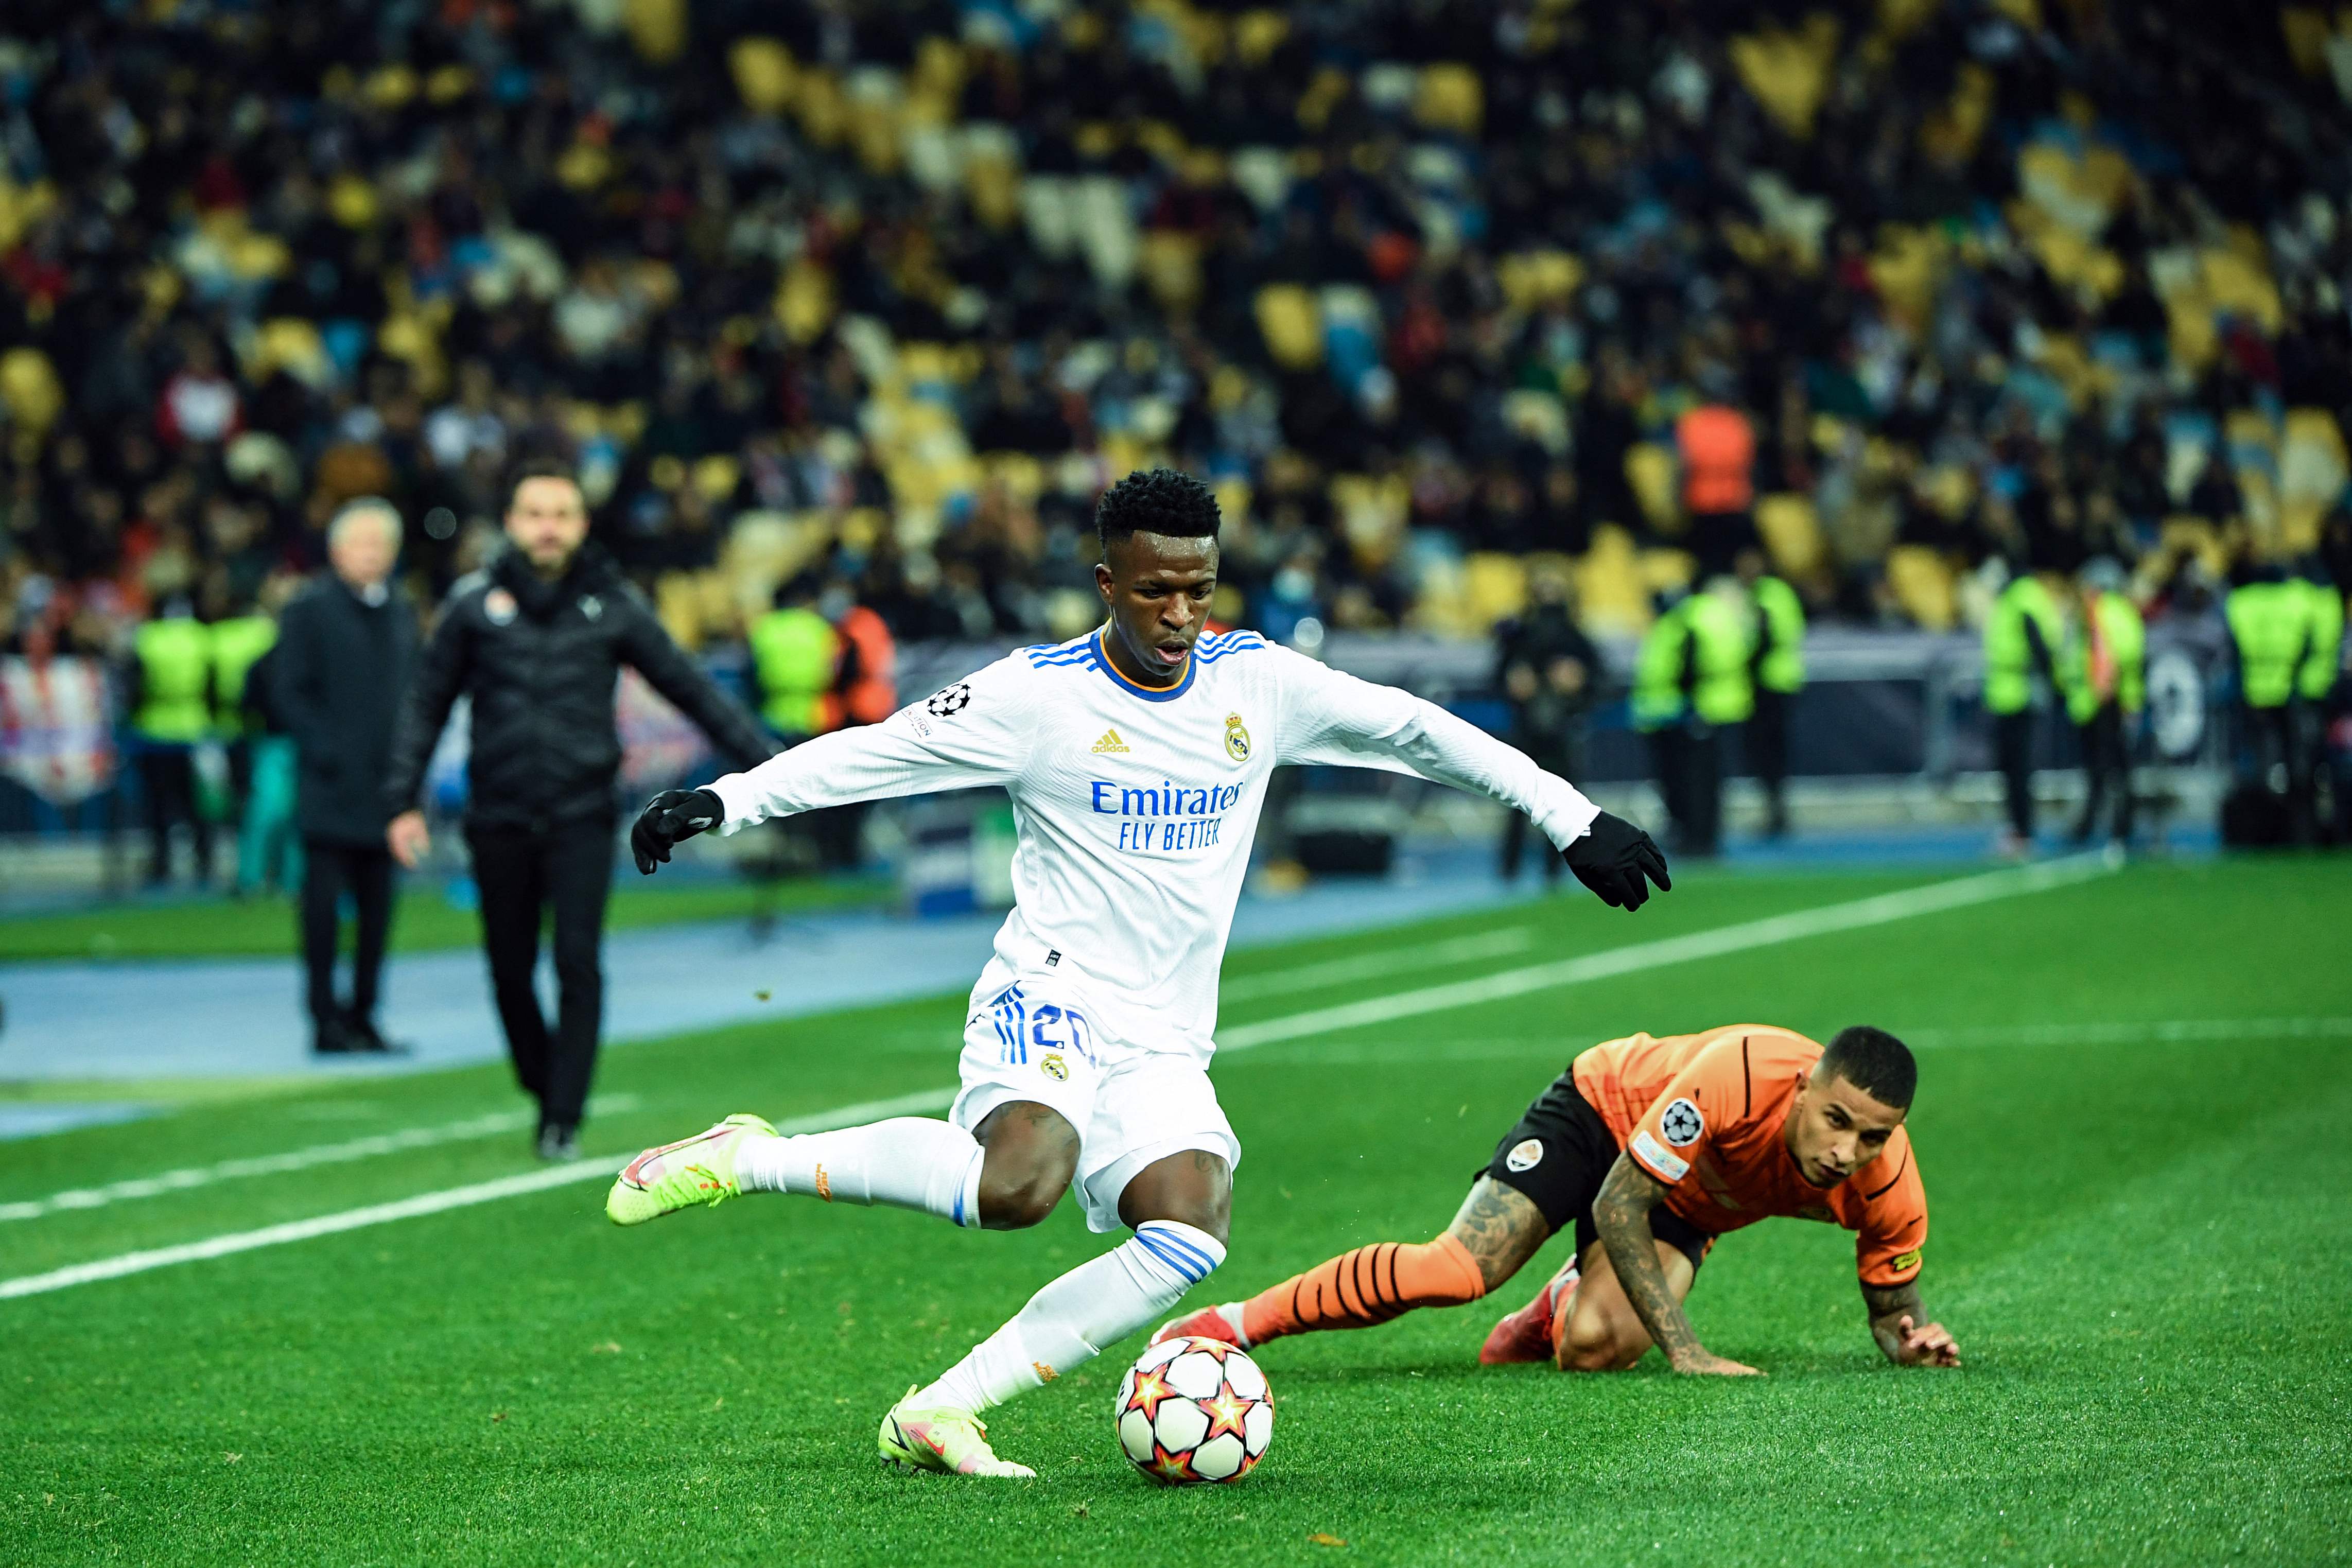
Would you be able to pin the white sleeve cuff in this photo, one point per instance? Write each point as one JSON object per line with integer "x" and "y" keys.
{"x": 740, "y": 798}
{"x": 1568, "y": 819}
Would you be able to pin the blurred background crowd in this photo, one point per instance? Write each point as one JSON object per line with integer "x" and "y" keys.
{"x": 864, "y": 303}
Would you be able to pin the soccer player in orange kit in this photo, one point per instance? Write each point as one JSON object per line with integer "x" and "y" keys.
{"x": 1651, "y": 1148}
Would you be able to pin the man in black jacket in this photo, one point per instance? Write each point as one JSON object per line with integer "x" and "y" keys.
{"x": 1549, "y": 672}
{"x": 345, "y": 654}
{"x": 537, "y": 640}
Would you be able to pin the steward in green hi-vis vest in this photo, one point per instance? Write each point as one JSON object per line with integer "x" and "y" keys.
{"x": 237, "y": 643}
{"x": 2009, "y": 653}
{"x": 175, "y": 681}
{"x": 2270, "y": 622}
{"x": 1658, "y": 702}
{"x": 1723, "y": 651}
{"x": 2323, "y": 651}
{"x": 2107, "y": 659}
{"x": 1782, "y": 615}
{"x": 1694, "y": 659}
{"x": 795, "y": 654}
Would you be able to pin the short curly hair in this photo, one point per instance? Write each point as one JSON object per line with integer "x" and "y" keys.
{"x": 1874, "y": 1062}
{"x": 1156, "y": 501}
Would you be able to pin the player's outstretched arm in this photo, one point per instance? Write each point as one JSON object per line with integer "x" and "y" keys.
{"x": 1620, "y": 1212}
{"x": 974, "y": 733}
{"x": 1897, "y": 1324}
{"x": 1338, "y": 719}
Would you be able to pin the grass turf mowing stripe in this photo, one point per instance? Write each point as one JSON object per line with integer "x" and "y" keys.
{"x": 1374, "y": 965}
{"x": 2167, "y": 1030}
{"x": 423, "y": 1204}
{"x": 81, "y": 1198}
{"x": 1911, "y": 901}
{"x": 1934, "y": 899}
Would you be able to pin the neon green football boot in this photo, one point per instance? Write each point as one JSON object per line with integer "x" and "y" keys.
{"x": 943, "y": 1439}
{"x": 696, "y": 1170}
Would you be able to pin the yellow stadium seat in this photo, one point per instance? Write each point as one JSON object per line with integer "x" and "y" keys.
{"x": 1792, "y": 534}
{"x": 1923, "y": 586}
{"x": 804, "y": 300}
{"x": 764, "y": 73}
{"x": 2251, "y": 427}
{"x": 1022, "y": 475}
{"x": 1662, "y": 569}
{"x": 1650, "y": 470}
{"x": 991, "y": 173}
{"x": 677, "y": 604}
{"x": 2259, "y": 492}
{"x": 716, "y": 476}
{"x": 2313, "y": 473}
{"x": 1531, "y": 279}
{"x": 1449, "y": 97}
{"x": 29, "y": 389}
{"x": 1495, "y": 585}
{"x": 1609, "y": 592}
{"x": 1789, "y": 73}
{"x": 1291, "y": 325}
{"x": 1171, "y": 269}
{"x": 291, "y": 345}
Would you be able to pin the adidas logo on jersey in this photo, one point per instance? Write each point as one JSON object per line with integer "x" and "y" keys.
{"x": 1109, "y": 742}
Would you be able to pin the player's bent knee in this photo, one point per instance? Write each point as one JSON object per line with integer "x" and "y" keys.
{"x": 1596, "y": 1341}
{"x": 1601, "y": 1354}
{"x": 1192, "y": 1187}
{"x": 1031, "y": 1153}
{"x": 1017, "y": 1200}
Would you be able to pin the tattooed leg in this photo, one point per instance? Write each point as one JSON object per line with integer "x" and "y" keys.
{"x": 1496, "y": 1231}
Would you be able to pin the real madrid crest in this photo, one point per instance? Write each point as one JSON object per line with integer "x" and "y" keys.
{"x": 498, "y": 605}
{"x": 1237, "y": 740}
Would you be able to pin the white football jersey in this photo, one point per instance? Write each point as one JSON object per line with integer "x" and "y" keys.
{"x": 1136, "y": 807}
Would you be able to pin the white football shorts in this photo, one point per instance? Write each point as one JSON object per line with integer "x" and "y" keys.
{"x": 1036, "y": 1039}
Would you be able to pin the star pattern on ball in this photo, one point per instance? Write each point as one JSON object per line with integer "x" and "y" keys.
{"x": 1174, "y": 1470}
{"x": 1226, "y": 1411}
{"x": 1150, "y": 1390}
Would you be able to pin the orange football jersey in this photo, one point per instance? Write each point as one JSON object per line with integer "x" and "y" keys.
{"x": 1704, "y": 1114}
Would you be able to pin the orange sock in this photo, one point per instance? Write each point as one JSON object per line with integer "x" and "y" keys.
{"x": 1371, "y": 1285}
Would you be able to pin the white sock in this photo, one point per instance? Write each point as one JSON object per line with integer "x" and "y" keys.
{"x": 908, "y": 1162}
{"x": 1066, "y": 1324}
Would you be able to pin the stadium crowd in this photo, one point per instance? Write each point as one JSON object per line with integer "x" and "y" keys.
{"x": 1425, "y": 286}
{"x": 880, "y": 296}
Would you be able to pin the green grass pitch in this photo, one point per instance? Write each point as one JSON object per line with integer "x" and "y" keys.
{"x": 2132, "y": 1122}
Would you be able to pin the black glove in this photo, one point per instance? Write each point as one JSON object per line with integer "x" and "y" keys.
{"x": 673, "y": 817}
{"x": 1612, "y": 858}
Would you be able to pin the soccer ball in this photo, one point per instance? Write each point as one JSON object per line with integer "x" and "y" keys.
{"x": 1194, "y": 1410}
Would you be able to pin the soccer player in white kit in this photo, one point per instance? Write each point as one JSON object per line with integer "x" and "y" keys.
{"x": 1137, "y": 758}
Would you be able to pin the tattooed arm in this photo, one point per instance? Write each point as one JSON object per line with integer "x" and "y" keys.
{"x": 1501, "y": 1227}
{"x": 1894, "y": 1312}
{"x": 1621, "y": 1214}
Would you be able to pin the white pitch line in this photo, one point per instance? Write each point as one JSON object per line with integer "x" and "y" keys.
{"x": 317, "y": 1154}
{"x": 1933, "y": 899}
{"x": 423, "y": 1204}
{"x": 1374, "y": 965}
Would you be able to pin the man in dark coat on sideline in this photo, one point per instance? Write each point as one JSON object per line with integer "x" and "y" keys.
{"x": 345, "y": 655}
{"x": 538, "y": 640}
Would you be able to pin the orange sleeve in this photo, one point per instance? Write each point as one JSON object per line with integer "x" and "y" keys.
{"x": 1894, "y": 1229}
{"x": 1702, "y": 1098}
